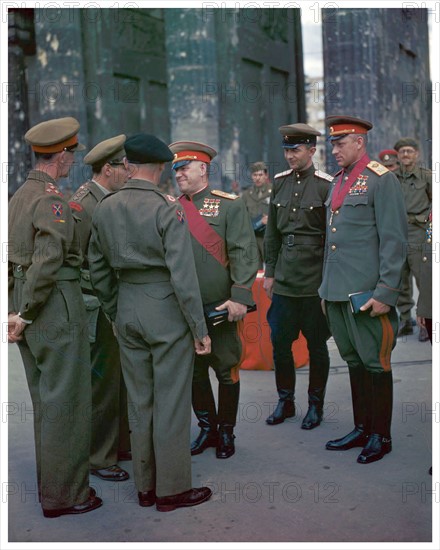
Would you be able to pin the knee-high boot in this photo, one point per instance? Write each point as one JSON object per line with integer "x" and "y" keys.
{"x": 228, "y": 396}
{"x": 379, "y": 442}
{"x": 317, "y": 383}
{"x": 285, "y": 377}
{"x": 360, "y": 382}
{"x": 204, "y": 408}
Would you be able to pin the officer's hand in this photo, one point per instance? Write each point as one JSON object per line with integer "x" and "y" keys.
{"x": 264, "y": 219}
{"x": 421, "y": 321}
{"x": 15, "y": 328}
{"x": 268, "y": 286}
{"x": 377, "y": 308}
{"x": 203, "y": 346}
{"x": 236, "y": 311}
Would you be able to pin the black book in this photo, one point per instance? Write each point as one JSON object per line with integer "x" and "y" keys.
{"x": 214, "y": 317}
{"x": 358, "y": 299}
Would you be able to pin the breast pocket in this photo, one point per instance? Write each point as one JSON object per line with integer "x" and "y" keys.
{"x": 356, "y": 200}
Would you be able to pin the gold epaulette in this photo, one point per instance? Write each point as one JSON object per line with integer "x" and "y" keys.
{"x": 224, "y": 195}
{"x": 283, "y": 174}
{"x": 377, "y": 168}
{"x": 323, "y": 175}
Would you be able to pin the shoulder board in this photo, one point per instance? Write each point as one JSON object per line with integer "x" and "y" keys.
{"x": 80, "y": 193}
{"x": 51, "y": 188}
{"x": 323, "y": 175}
{"x": 283, "y": 174}
{"x": 224, "y": 195}
{"x": 377, "y": 168}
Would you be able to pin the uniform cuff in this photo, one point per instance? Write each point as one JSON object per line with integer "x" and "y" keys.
{"x": 242, "y": 295}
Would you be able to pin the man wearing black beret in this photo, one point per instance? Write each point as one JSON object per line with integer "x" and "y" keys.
{"x": 147, "y": 284}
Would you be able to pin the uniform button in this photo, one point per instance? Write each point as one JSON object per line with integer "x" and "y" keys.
{"x": 296, "y": 194}
{"x": 346, "y": 178}
{"x": 333, "y": 229}
{"x": 311, "y": 208}
{"x": 333, "y": 247}
{"x": 429, "y": 241}
{"x": 278, "y": 204}
{"x": 293, "y": 209}
{"x": 298, "y": 182}
{"x": 424, "y": 259}
{"x": 336, "y": 212}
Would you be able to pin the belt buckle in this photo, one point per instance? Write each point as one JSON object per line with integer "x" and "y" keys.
{"x": 290, "y": 240}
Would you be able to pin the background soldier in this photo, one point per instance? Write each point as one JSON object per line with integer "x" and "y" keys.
{"x": 388, "y": 157}
{"x": 143, "y": 275}
{"x": 416, "y": 183}
{"x": 109, "y": 395}
{"x": 223, "y": 243}
{"x": 257, "y": 199}
{"x": 294, "y": 251}
{"x": 47, "y": 319}
{"x": 365, "y": 251}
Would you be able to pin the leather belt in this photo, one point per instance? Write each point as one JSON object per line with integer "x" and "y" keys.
{"x": 144, "y": 275}
{"x": 292, "y": 240}
{"x": 65, "y": 273}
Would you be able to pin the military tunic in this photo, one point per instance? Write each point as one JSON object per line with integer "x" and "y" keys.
{"x": 424, "y": 303}
{"x": 44, "y": 261}
{"x": 227, "y": 216}
{"x": 146, "y": 281}
{"x": 257, "y": 200}
{"x": 108, "y": 388}
{"x": 365, "y": 250}
{"x": 417, "y": 191}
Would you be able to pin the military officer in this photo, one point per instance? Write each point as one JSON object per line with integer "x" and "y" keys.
{"x": 47, "y": 319}
{"x": 294, "y": 251}
{"x": 416, "y": 183}
{"x": 388, "y": 157}
{"x": 257, "y": 199}
{"x": 147, "y": 284}
{"x": 223, "y": 244}
{"x": 365, "y": 252}
{"x": 108, "y": 163}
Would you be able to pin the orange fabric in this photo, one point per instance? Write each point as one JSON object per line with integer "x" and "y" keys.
{"x": 387, "y": 343}
{"x": 255, "y": 335}
{"x": 339, "y": 129}
{"x": 57, "y": 147}
{"x": 191, "y": 155}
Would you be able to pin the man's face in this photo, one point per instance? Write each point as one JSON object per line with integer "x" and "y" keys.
{"x": 191, "y": 177}
{"x": 118, "y": 175}
{"x": 299, "y": 158}
{"x": 408, "y": 156}
{"x": 347, "y": 150}
{"x": 66, "y": 159}
{"x": 259, "y": 178}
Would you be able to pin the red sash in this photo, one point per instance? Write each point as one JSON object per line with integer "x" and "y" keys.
{"x": 204, "y": 233}
{"x": 338, "y": 193}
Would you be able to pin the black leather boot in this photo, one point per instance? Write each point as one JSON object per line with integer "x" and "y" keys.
{"x": 228, "y": 396}
{"x": 204, "y": 409}
{"x": 313, "y": 417}
{"x": 379, "y": 442}
{"x": 360, "y": 383}
{"x": 284, "y": 409}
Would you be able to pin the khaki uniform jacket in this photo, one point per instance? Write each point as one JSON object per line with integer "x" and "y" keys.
{"x": 42, "y": 238}
{"x": 227, "y": 215}
{"x": 366, "y": 238}
{"x": 139, "y": 229}
{"x": 417, "y": 191}
{"x": 297, "y": 208}
{"x": 257, "y": 205}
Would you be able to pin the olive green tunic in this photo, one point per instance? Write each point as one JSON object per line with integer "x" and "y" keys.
{"x": 44, "y": 261}
{"x": 257, "y": 200}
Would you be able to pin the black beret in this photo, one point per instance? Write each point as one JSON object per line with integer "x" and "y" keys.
{"x": 406, "y": 142}
{"x": 146, "y": 148}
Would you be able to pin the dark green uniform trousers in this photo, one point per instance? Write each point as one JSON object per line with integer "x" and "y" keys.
{"x": 56, "y": 357}
{"x": 157, "y": 355}
{"x": 416, "y": 238}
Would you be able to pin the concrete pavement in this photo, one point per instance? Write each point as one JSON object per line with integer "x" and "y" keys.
{"x": 281, "y": 485}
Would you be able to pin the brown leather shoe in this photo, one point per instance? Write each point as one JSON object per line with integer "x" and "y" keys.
{"x": 92, "y": 503}
{"x": 147, "y": 498}
{"x": 124, "y": 455}
{"x": 112, "y": 473}
{"x": 182, "y": 500}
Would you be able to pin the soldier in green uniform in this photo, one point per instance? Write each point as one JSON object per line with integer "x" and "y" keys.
{"x": 147, "y": 284}
{"x": 223, "y": 244}
{"x": 416, "y": 183}
{"x": 48, "y": 321}
{"x": 365, "y": 252}
{"x": 294, "y": 251}
{"x": 257, "y": 199}
{"x": 109, "y": 411}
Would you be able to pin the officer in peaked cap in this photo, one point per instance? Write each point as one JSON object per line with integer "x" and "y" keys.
{"x": 388, "y": 158}
{"x": 109, "y": 397}
{"x": 44, "y": 271}
{"x": 294, "y": 251}
{"x": 366, "y": 234}
{"x": 416, "y": 182}
{"x": 226, "y": 258}
{"x": 139, "y": 265}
